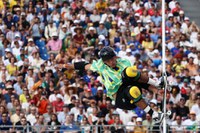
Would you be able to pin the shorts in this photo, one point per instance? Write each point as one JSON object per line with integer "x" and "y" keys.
{"x": 122, "y": 100}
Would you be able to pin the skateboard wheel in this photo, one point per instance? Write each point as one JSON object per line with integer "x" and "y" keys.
{"x": 169, "y": 113}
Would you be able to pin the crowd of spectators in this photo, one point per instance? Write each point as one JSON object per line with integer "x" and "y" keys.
{"x": 37, "y": 36}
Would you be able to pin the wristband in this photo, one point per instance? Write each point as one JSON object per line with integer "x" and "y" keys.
{"x": 80, "y": 65}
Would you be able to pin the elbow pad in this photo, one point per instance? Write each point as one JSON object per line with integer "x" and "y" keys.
{"x": 80, "y": 65}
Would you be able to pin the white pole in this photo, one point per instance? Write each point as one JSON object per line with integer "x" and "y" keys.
{"x": 164, "y": 66}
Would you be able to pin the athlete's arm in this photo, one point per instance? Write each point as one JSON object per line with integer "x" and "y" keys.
{"x": 78, "y": 66}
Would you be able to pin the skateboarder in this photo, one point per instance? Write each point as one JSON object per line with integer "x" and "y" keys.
{"x": 122, "y": 80}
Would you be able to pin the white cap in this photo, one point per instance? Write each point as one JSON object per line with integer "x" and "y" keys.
{"x": 181, "y": 12}
{"x": 17, "y": 35}
{"x": 115, "y": 112}
{"x": 100, "y": 43}
{"x": 54, "y": 34}
{"x": 101, "y": 37}
{"x": 8, "y": 13}
{"x": 7, "y": 50}
{"x": 23, "y": 13}
{"x": 137, "y": 14}
{"x": 139, "y": 21}
{"x": 186, "y": 19}
{"x": 100, "y": 88}
{"x": 139, "y": 119}
{"x": 91, "y": 28}
{"x": 17, "y": 9}
{"x": 30, "y": 40}
{"x": 59, "y": 96}
{"x": 128, "y": 50}
{"x": 170, "y": 15}
{"x": 120, "y": 10}
{"x": 149, "y": 21}
{"x": 154, "y": 101}
{"x": 101, "y": 22}
{"x": 134, "y": 115}
{"x": 197, "y": 79}
{"x": 76, "y": 21}
{"x": 155, "y": 51}
{"x": 64, "y": 26}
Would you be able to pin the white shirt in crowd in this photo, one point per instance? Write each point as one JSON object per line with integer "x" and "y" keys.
{"x": 176, "y": 126}
{"x": 195, "y": 108}
{"x": 31, "y": 118}
{"x": 125, "y": 116}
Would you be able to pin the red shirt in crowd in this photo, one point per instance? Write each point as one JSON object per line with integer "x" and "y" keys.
{"x": 42, "y": 107}
{"x": 58, "y": 105}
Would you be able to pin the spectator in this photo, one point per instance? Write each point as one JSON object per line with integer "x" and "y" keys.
{"x": 62, "y": 115}
{"x": 175, "y": 95}
{"x": 89, "y": 5}
{"x": 101, "y": 121}
{"x": 23, "y": 125}
{"x": 117, "y": 125}
{"x": 131, "y": 124}
{"x": 32, "y": 116}
{"x": 31, "y": 47}
{"x": 191, "y": 101}
{"x": 12, "y": 68}
{"x": 195, "y": 108}
{"x": 101, "y": 6}
{"x": 35, "y": 29}
{"x": 39, "y": 123}
{"x": 173, "y": 111}
{"x": 16, "y": 116}
{"x": 85, "y": 124}
{"x": 54, "y": 45}
{"x": 58, "y": 104}
{"x": 139, "y": 128}
{"x": 63, "y": 32}
{"x": 92, "y": 118}
{"x": 47, "y": 115}
{"x": 6, "y": 122}
{"x": 42, "y": 104}
{"x": 50, "y": 29}
{"x": 177, "y": 124}
{"x": 191, "y": 123}
{"x": 182, "y": 110}
{"x": 8, "y": 95}
{"x": 148, "y": 122}
{"x": 78, "y": 38}
{"x": 54, "y": 124}
{"x": 91, "y": 37}
{"x": 68, "y": 126}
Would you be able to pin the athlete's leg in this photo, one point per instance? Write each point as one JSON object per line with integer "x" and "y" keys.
{"x": 135, "y": 96}
{"x": 132, "y": 74}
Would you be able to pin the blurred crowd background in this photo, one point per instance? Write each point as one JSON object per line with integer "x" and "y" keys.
{"x": 36, "y": 36}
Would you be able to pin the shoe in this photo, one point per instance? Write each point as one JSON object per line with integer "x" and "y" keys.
{"x": 161, "y": 83}
{"x": 157, "y": 117}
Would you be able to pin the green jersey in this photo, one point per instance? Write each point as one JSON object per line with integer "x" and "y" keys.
{"x": 111, "y": 78}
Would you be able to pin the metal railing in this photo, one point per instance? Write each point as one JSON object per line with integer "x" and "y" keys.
{"x": 91, "y": 128}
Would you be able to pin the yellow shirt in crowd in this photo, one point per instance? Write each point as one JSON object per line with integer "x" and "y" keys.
{"x": 101, "y": 6}
{"x": 11, "y": 69}
{"x": 12, "y": 3}
{"x": 1, "y": 5}
{"x": 148, "y": 45}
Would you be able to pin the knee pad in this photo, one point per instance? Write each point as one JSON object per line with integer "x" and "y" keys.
{"x": 131, "y": 73}
{"x": 135, "y": 94}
